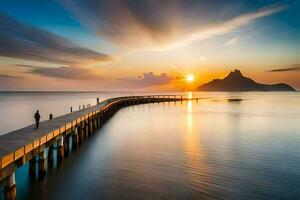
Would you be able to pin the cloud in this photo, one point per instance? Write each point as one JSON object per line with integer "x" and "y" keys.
{"x": 18, "y": 40}
{"x": 75, "y": 73}
{"x": 148, "y": 79}
{"x": 229, "y": 25}
{"x": 27, "y": 66}
{"x": 5, "y": 76}
{"x": 159, "y": 25}
{"x": 232, "y": 41}
{"x": 295, "y": 67}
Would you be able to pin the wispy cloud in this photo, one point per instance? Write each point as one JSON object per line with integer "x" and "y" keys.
{"x": 148, "y": 79}
{"x": 232, "y": 41}
{"x": 63, "y": 72}
{"x": 229, "y": 25}
{"x": 5, "y": 76}
{"x": 295, "y": 67}
{"x": 27, "y": 66}
{"x": 18, "y": 40}
{"x": 158, "y": 25}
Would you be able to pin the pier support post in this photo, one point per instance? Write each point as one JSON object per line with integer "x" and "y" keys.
{"x": 86, "y": 129}
{"x": 104, "y": 116}
{"x": 75, "y": 137}
{"x": 66, "y": 144}
{"x": 32, "y": 167}
{"x": 91, "y": 123}
{"x": 95, "y": 122}
{"x": 50, "y": 155}
{"x": 60, "y": 148}
{"x": 42, "y": 164}
{"x": 99, "y": 120}
{"x": 10, "y": 189}
{"x": 81, "y": 132}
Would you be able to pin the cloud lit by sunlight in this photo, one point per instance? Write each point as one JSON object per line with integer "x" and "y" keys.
{"x": 134, "y": 25}
{"x": 232, "y": 41}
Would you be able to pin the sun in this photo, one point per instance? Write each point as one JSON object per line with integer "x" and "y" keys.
{"x": 190, "y": 78}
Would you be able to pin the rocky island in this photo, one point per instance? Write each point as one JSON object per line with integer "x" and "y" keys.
{"x": 235, "y": 81}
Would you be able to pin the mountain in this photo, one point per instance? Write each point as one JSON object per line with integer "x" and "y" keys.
{"x": 235, "y": 81}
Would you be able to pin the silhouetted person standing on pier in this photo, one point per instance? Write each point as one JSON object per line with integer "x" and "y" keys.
{"x": 37, "y": 117}
{"x": 50, "y": 116}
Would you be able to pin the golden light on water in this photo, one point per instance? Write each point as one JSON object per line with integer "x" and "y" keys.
{"x": 189, "y": 106}
{"x": 190, "y": 95}
{"x": 193, "y": 149}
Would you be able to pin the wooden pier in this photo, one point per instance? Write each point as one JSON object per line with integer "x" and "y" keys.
{"x": 36, "y": 145}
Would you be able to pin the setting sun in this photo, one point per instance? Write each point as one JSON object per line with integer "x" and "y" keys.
{"x": 190, "y": 78}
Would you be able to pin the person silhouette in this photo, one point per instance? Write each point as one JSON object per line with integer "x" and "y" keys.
{"x": 50, "y": 116}
{"x": 37, "y": 117}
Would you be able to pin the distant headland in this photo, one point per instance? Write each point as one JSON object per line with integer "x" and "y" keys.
{"x": 235, "y": 81}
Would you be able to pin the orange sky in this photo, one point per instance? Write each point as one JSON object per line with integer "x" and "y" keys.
{"x": 125, "y": 46}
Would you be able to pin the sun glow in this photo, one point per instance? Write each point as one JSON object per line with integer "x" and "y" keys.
{"x": 187, "y": 80}
{"x": 190, "y": 78}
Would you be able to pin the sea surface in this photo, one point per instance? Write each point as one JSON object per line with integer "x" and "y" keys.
{"x": 224, "y": 146}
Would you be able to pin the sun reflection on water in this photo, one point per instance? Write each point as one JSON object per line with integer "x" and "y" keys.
{"x": 190, "y": 95}
{"x": 193, "y": 148}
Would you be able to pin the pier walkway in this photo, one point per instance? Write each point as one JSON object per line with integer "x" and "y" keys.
{"x": 36, "y": 145}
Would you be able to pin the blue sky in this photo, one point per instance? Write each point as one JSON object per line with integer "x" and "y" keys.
{"x": 116, "y": 43}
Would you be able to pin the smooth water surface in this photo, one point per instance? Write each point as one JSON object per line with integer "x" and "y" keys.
{"x": 225, "y": 146}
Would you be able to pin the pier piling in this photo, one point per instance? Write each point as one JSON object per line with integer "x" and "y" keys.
{"x": 86, "y": 129}
{"x": 10, "y": 189}
{"x": 75, "y": 137}
{"x": 90, "y": 126}
{"x": 66, "y": 144}
{"x": 32, "y": 167}
{"x": 81, "y": 132}
{"x": 50, "y": 155}
{"x": 60, "y": 148}
{"x": 42, "y": 163}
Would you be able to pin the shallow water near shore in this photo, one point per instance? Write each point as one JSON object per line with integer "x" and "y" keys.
{"x": 225, "y": 146}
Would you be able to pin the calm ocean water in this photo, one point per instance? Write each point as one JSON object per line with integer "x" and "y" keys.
{"x": 215, "y": 148}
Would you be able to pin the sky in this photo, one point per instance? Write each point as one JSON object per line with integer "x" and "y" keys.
{"x": 124, "y": 45}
